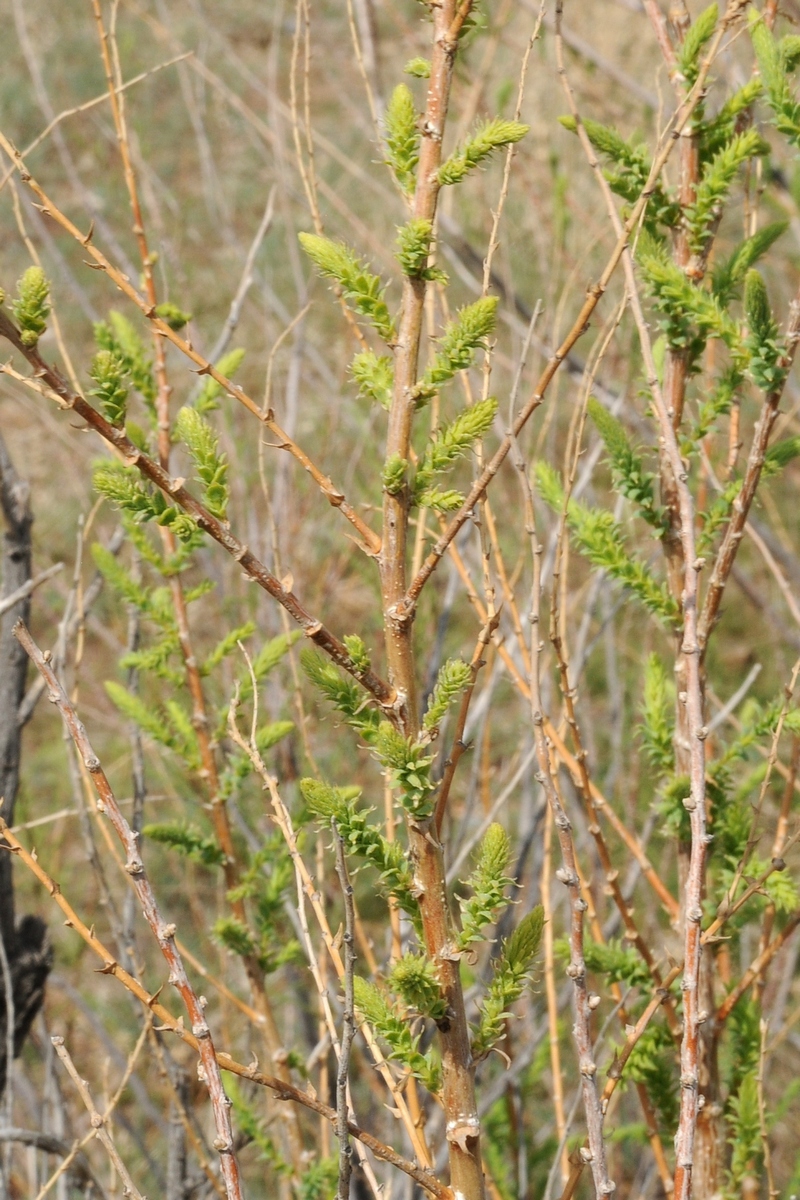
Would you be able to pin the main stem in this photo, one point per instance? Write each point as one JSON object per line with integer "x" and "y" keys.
{"x": 458, "y": 1085}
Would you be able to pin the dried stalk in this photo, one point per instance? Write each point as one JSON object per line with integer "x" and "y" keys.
{"x": 568, "y": 872}
{"x": 175, "y": 1025}
{"x": 163, "y": 931}
{"x": 98, "y": 1122}
{"x": 348, "y": 1023}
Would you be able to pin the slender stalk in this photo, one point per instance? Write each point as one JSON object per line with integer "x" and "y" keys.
{"x": 348, "y": 1023}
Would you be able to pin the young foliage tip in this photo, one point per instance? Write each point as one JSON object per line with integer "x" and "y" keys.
{"x": 212, "y": 467}
{"x": 108, "y": 370}
{"x": 410, "y": 770}
{"x": 32, "y": 305}
{"x": 402, "y": 137}
{"x": 491, "y": 136}
{"x": 462, "y": 338}
{"x": 364, "y": 290}
{"x": 374, "y": 374}
{"x": 454, "y": 678}
{"x": 512, "y": 971}
{"x": 391, "y": 1027}
{"x": 488, "y": 883}
{"x": 766, "y": 351}
{"x": 420, "y": 68}
{"x": 120, "y": 336}
{"x": 630, "y": 477}
{"x": 413, "y": 250}
{"x": 413, "y": 979}
{"x": 359, "y": 656}
{"x": 698, "y": 35}
{"x": 172, "y": 315}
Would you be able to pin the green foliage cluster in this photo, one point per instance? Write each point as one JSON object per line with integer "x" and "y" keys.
{"x": 31, "y": 307}
{"x": 451, "y": 443}
{"x": 374, "y": 374}
{"x": 266, "y": 885}
{"x": 658, "y": 722}
{"x": 459, "y": 343}
{"x": 633, "y": 171}
{"x": 488, "y": 883}
{"x": 188, "y": 840}
{"x": 364, "y": 290}
{"x": 393, "y": 1029}
{"x": 454, "y": 678}
{"x": 122, "y": 486}
{"x": 630, "y": 478}
{"x": 212, "y": 466}
{"x": 402, "y": 133}
{"x": 343, "y": 693}
{"x": 490, "y": 136}
{"x": 413, "y": 978}
{"x": 363, "y": 840}
{"x": 208, "y": 398}
{"x": 410, "y": 769}
{"x": 119, "y": 336}
{"x": 599, "y": 537}
{"x": 511, "y": 973}
{"x": 108, "y": 371}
